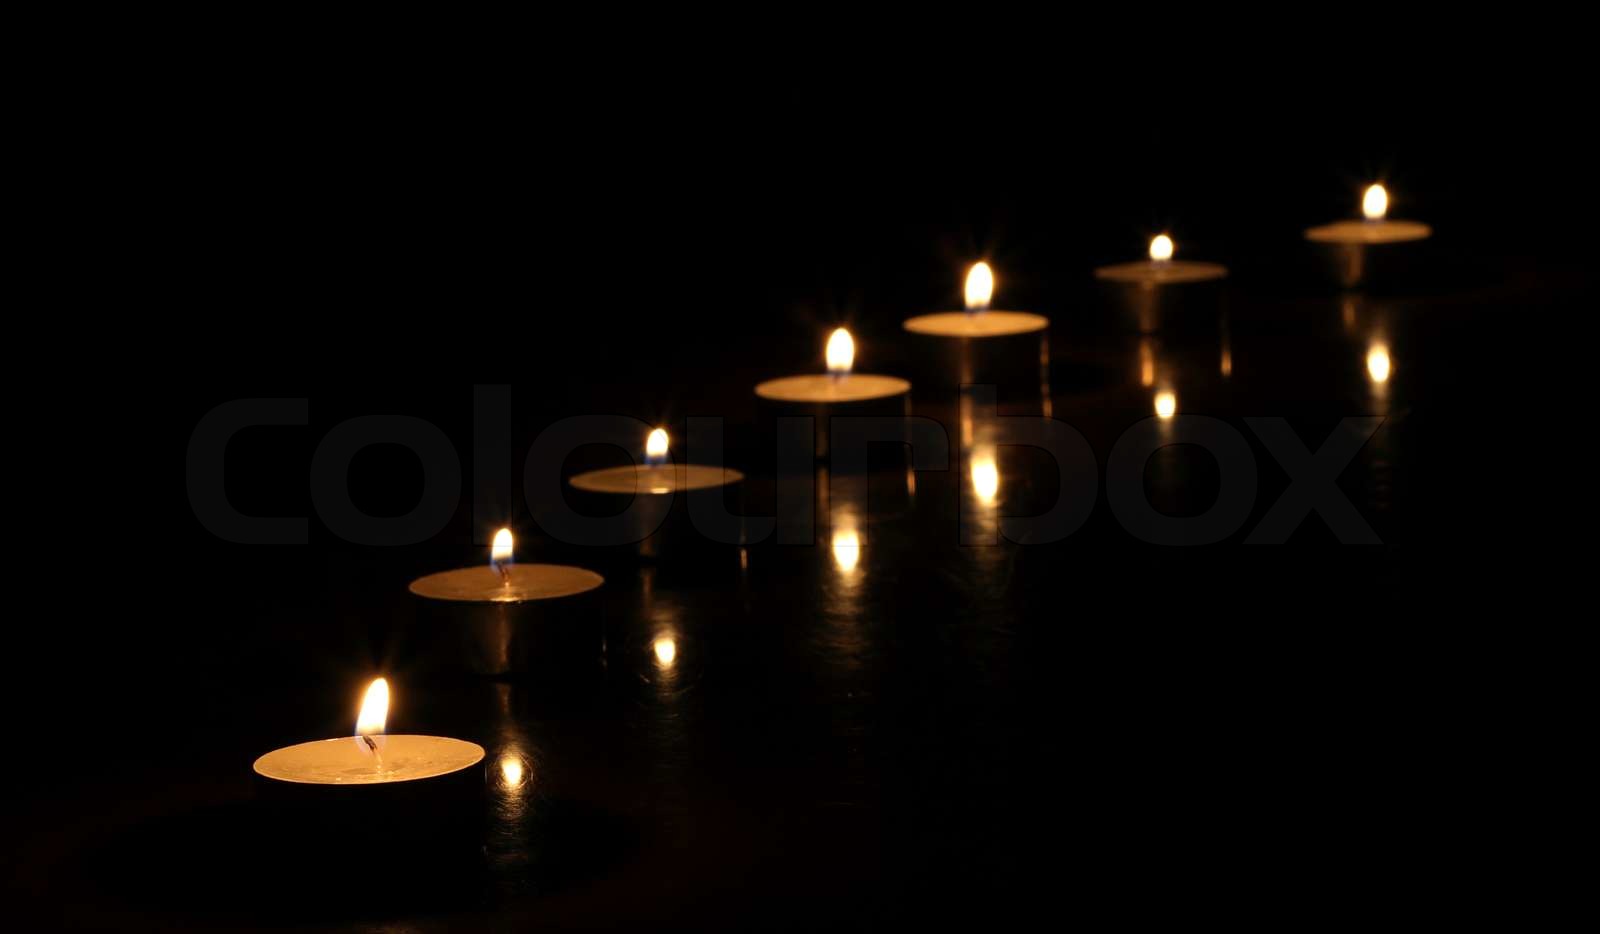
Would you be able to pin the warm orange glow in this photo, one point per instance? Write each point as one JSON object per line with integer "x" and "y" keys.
{"x": 374, "y": 709}
{"x": 500, "y": 552}
{"x": 980, "y": 286}
{"x": 666, "y": 649}
{"x": 511, "y": 771}
{"x": 1166, "y": 404}
{"x": 841, "y": 352}
{"x": 1147, "y": 362}
{"x": 655, "y": 446}
{"x": 1378, "y": 363}
{"x": 1375, "y": 203}
{"x": 1161, "y": 248}
{"x": 985, "y": 477}
{"x": 846, "y": 549}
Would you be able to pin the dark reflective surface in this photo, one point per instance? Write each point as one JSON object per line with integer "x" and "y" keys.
{"x": 887, "y": 725}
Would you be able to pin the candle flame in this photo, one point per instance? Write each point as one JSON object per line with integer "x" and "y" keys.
{"x": 1375, "y": 203}
{"x": 500, "y": 552}
{"x": 666, "y": 649}
{"x": 841, "y": 352}
{"x": 980, "y": 286}
{"x": 1166, "y": 404}
{"x": 1161, "y": 248}
{"x": 985, "y": 477}
{"x": 374, "y": 709}
{"x": 655, "y": 446}
{"x": 1378, "y": 363}
{"x": 846, "y": 549}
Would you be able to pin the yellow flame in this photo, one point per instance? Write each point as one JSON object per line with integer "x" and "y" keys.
{"x": 666, "y": 651}
{"x": 980, "y": 286}
{"x": 841, "y": 352}
{"x": 985, "y": 477}
{"x": 655, "y": 446}
{"x": 1166, "y": 404}
{"x": 1375, "y": 203}
{"x": 374, "y": 709}
{"x": 1161, "y": 248}
{"x": 500, "y": 552}
{"x": 1378, "y": 363}
{"x": 511, "y": 771}
{"x": 846, "y": 549}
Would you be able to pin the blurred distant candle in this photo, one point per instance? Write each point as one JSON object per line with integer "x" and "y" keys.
{"x": 978, "y": 320}
{"x": 839, "y": 385}
{"x": 1007, "y": 349}
{"x": 1144, "y": 280}
{"x": 1351, "y": 239}
{"x": 840, "y": 390}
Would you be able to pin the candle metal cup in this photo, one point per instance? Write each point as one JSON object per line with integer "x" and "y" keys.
{"x": 1370, "y": 253}
{"x": 655, "y": 499}
{"x": 373, "y": 833}
{"x": 1009, "y": 350}
{"x": 1165, "y": 296}
{"x": 543, "y": 618}
{"x": 822, "y": 397}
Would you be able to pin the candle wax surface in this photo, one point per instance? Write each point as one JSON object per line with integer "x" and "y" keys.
{"x": 483, "y": 584}
{"x": 823, "y": 387}
{"x": 348, "y": 760}
{"x": 1384, "y": 231}
{"x": 1161, "y": 272}
{"x": 659, "y": 479}
{"x": 976, "y": 324}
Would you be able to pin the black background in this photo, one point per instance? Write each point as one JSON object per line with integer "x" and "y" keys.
{"x": 650, "y": 241}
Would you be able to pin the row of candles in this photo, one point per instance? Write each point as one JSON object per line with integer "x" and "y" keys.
{"x": 375, "y": 757}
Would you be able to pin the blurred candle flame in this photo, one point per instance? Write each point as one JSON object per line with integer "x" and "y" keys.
{"x": 1166, "y": 404}
{"x": 1375, "y": 203}
{"x": 666, "y": 649}
{"x": 846, "y": 549}
{"x": 374, "y": 709}
{"x": 841, "y": 352}
{"x": 980, "y": 286}
{"x": 1378, "y": 363}
{"x": 500, "y": 552}
{"x": 655, "y": 447}
{"x": 985, "y": 477}
{"x": 1161, "y": 248}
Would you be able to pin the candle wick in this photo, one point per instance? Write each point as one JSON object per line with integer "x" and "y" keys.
{"x": 371, "y": 743}
{"x": 505, "y": 573}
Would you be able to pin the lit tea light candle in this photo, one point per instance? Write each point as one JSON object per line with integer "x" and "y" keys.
{"x": 657, "y": 476}
{"x": 1351, "y": 239}
{"x": 504, "y": 581}
{"x": 1145, "y": 286}
{"x": 500, "y": 618}
{"x": 977, "y": 321}
{"x": 371, "y": 756}
{"x": 1375, "y": 226}
{"x": 1161, "y": 269}
{"x": 666, "y": 651}
{"x": 839, "y": 385}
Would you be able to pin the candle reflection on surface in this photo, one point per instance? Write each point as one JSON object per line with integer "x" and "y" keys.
{"x": 1378, "y": 362}
{"x": 1147, "y": 362}
{"x": 985, "y": 476}
{"x": 666, "y": 649}
{"x": 846, "y": 551}
{"x": 1166, "y": 404}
